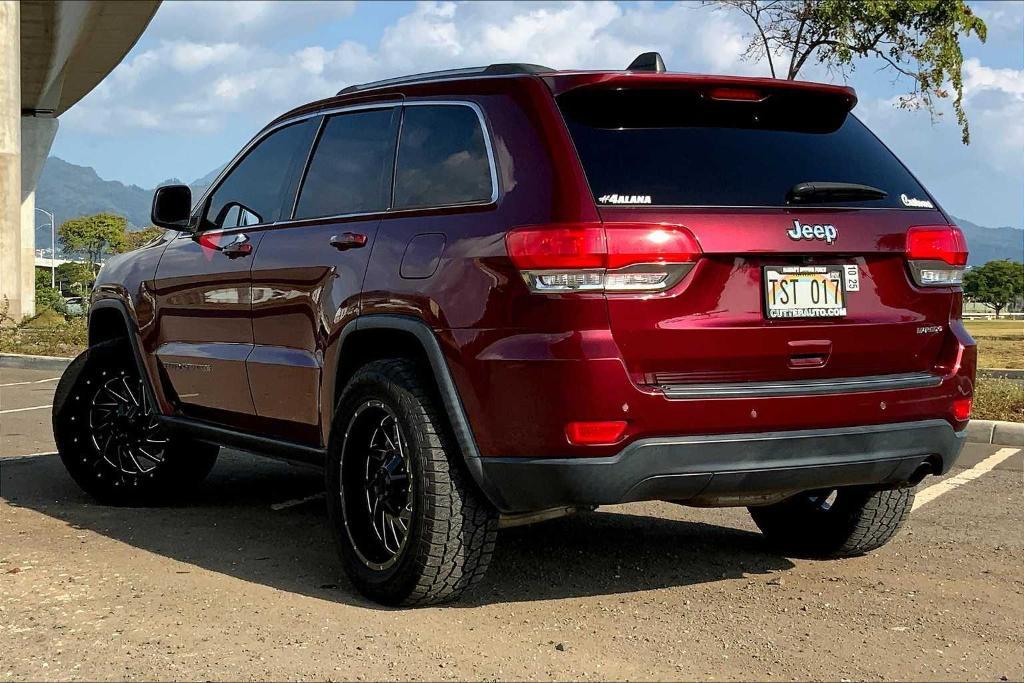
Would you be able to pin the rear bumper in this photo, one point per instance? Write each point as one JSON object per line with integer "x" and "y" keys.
{"x": 725, "y": 469}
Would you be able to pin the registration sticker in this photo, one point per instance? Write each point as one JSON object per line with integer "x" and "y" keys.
{"x": 851, "y": 274}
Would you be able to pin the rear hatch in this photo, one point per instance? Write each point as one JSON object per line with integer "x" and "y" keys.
{"x": 801, "y": 216}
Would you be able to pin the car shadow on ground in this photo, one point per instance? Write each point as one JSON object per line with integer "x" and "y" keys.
{"x": 230, "y": 527}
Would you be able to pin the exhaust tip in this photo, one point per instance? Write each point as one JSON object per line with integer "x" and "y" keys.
{"x": 929, "y": 466}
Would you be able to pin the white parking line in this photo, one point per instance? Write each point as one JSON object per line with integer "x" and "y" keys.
{"x": 298, "y": 501}
{"x": 987, "y": 465}
{"x": 22, "y": 410}
{"x": 25, "y": 455}
{"x": 35, "y": 381}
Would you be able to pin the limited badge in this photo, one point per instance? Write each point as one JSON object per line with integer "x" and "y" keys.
{"x": 851, "y": 274}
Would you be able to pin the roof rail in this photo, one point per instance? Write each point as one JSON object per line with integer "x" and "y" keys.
{"x": 451, "y": 74}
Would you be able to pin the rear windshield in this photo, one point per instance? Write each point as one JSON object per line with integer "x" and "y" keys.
{"x": 679, "y": 148}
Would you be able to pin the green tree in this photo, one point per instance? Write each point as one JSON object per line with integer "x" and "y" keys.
{"x": 94, "y": 235}
{"x": 917, "y": 40}
{"x": 140, "y": 238}
{"x": 42, "y": 277}
{"x": 47, "y": 297}
{"x": 75, "y": 276}
{"x": 995, "y": 284}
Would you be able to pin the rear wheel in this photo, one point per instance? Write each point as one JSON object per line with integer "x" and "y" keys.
{"x": 110, "y": 439}
{"x": 835, "y": 522}
{"x": 410, "y": 525}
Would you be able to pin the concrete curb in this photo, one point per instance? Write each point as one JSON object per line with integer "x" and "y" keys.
{"x": 996, "y": 432}
{"x": 1001, "y": 373}
{"x": 26, "y": 362}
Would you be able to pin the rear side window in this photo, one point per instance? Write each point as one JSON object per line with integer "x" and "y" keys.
{"x": 675, "y": 148}
{"x": 442, "y": 158}
{"x": 260, "y": 188}
{"x": 351, "y": 167}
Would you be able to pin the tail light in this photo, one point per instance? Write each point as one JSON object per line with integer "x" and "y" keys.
{"x": 962, "y": 409}
{"x": 603, "y": 433}
{"x": 937, "y": 255}
{"x": 617, "y": 257}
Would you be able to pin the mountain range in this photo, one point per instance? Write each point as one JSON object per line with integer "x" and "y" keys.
{"x": 68, "y": 191}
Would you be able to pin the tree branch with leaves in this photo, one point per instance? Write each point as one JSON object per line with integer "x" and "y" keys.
{"x": 917, "y": 40}
{"x": 94, "y": 235}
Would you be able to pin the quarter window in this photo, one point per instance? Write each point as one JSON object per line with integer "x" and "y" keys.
{"x": 351, "y": 168}
{"x": 260, "y": 188}
{"x": 442, "y": 158}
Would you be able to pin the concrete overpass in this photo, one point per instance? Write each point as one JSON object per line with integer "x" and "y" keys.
{"x": 52, "y": 53}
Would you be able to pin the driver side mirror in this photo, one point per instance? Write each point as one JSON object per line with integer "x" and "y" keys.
{"x": 172, "y": 206}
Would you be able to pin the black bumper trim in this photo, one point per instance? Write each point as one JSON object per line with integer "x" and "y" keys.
{"x": 717, "y": 467}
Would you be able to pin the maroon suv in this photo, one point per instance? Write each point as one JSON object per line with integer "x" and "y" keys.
{"x": 491, "y": 296}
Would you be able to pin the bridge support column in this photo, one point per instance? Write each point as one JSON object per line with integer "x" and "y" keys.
{"x": 19, "y": 302}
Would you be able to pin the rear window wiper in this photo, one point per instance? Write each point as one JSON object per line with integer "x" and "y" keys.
{"x": 824, "y": 192}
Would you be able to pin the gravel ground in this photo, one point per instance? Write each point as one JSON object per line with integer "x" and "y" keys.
{"x": 235, "y": 586}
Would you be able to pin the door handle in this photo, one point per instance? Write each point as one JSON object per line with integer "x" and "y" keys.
{"x": 348, "y": 240}
{"x": 237, "y": 249}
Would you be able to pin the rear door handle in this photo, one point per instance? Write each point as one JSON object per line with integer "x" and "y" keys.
{"x": 348, "y": 240}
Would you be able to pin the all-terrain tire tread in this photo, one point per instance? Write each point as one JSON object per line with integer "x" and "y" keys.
{"x": 460, "y": 527}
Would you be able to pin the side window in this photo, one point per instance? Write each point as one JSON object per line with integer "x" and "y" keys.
{"x": 259, "y": 189}
{"x": 442, "y": 158}
{"x": 351, "y": 168}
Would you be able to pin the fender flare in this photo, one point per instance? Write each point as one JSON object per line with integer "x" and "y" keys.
{"x": 133, "y": 339}
{"x": 449, "y": 393}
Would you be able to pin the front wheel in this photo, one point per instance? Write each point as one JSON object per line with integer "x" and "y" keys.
{"x": 411, "y": 527}
{"x": 110, "y": 439}
{"x": 835, "y": 522}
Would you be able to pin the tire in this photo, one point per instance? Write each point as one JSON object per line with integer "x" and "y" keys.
{"x": 109, "y": 439}
{"x": 410, "y": 525}
{"x": 835, "y": 523}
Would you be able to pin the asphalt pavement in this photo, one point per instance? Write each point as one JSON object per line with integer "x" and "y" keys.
{"x": 242, "y": 582}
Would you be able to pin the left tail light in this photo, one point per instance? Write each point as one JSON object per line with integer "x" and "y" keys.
{"x": 617, "y": 257}
{"x": 937, "y": 255}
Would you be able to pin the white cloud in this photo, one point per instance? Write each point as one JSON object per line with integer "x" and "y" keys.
{"x": 978, "y": 78}
{"x": 188, "y": 57}
{"x": 1004, "y": 19}
{"x": 211, "y": 61}
{"x": 217, "y": 20}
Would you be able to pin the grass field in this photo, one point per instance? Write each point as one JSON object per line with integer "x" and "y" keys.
{"x": 1000, "y": 342}
{"x": 998, "y": 399}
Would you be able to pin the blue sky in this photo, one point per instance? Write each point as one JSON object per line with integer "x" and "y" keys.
{"x": 207, "y": 75}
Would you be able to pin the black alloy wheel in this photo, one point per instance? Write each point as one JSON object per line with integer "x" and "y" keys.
{"x": 376, "y": 486}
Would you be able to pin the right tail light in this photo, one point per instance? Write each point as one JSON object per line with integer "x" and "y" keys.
{"x": 617, "y": 257}
{"x": 937, "y": 255}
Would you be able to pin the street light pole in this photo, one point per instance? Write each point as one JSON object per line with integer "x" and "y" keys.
{"x": 53, "y": 249}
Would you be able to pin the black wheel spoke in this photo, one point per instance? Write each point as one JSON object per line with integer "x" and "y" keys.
{"x": 128, "y": 390}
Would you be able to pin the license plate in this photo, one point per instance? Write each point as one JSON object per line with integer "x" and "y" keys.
{"x": 804, "y": 291}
